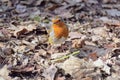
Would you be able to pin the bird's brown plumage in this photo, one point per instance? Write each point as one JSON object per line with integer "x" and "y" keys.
{"x": 59, "y": 30}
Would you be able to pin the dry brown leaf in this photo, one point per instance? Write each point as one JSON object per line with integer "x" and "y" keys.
{"x": 111, "y": 45}
{"x": 72, "y": 64}
{"x": 73, "y": 1}
{"x": 19, "y": 48}
{"x": 42, "y": 52}
{"x": 116, "y": 40}
{"x": 24, "y": 29}
{"x": 101, "y": 32}
{"x": 116, "y": 52}
{"x": 74, "y": 35}
{"x": 49, "y": 73}
{"x": 93, "y": 56}
{"x": 66, "y": 14}
{"x": 110, "y": 22}
{"x": 4, "y": 34}
{"x": 1, "y": 44}
{"x": 113, "y": 12}
{"x": 87, "y": 78}
{"x": 109, "y": 1}
{"x": 99, "y": 63}
{"x": 63, "y": 12}
{"x": 78, "y": 43}
{"x": 25, "y": 69}
{"x": 4, "y": 72}
{"x": 20, "y": 8}
{"x": 53, "y": 7}
{"x": 90, "y": 43}
{"x": 19, "y": 32}
{"x": 8, "y": 51}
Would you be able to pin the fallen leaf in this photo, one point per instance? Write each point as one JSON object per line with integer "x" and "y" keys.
{"x": 116, "y": 52}
{"x": 19, "y": 32}
{"x": 74, "y": 35}
{"x": 78, "y": 43}
{"x": 42, "y": 52}
{"x": 4, "y": 72}
{"x": 49, "y": 73}
{"x": 4, "y": 35}
{"x": 1, "y": 78}
{"x": 106, "y": 69}
{"x": 8, "y": 51}
{"x": 72, "y": 64}
{"x": 96, "y": 38}
{"x": 112, "y": 22}
{"x": 1, "y": 44}
{"x": 24, "y": 29}
{"x": 93, "y": 56}
{"x": 111, "y": 45}
{"x": 98, "y": 63}
{"x": 113, "y": 12}
{"x": 73, "y": 1}
{"x": 100, "y": 31}
{"x": 25, "y": 69}
{"x": 20, "y": 8}
{"x": 109, "y": 1}
{"x": 87, "y": 78}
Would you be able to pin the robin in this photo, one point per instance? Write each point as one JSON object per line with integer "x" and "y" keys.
{"x": 59, "y": 31}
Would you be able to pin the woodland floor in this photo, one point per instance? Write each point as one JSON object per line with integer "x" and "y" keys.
{"x": 91, "y": 52}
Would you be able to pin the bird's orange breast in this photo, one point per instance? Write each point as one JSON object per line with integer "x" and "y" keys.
{"x": 60, "y": 30}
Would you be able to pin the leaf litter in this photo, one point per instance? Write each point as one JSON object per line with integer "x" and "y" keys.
{"x": 91, "y": 51}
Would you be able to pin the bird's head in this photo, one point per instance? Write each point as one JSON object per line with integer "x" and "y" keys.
{"x": 57, "y": 21}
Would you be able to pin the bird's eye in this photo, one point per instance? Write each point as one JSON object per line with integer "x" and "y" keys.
{"x": 58, "y": 20}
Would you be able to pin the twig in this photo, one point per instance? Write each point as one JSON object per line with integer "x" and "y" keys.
{"x": 66, "y": 56}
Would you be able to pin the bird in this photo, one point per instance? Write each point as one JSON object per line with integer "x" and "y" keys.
{"x": 59, "y": 31}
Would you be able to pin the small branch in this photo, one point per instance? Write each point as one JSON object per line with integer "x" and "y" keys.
{"x": 66, "y": 56}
